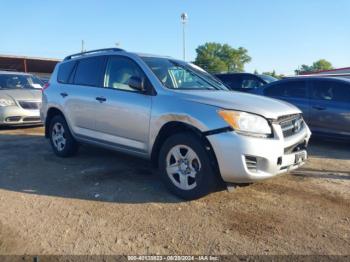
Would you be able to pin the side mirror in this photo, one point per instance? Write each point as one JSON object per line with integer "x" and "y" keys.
{"x": 136, "y": 82}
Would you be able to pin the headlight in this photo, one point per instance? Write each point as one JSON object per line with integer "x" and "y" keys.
{"x": 6, "y": 102}
{"x": 245, "y": 123}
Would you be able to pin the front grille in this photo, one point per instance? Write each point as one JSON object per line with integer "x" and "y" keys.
{"x": 251, "y": 163}
{"x": 295, "y": 148}
{"x": 291, "y": 124}
{"x": 31, "y": 105}
{"x": 31, "y": 119}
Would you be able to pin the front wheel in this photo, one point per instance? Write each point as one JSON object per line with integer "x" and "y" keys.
{"x": 185, "y": 167}
{"x": 62, "y": 141}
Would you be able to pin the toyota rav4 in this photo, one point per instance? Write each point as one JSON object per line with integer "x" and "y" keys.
{"x": 175, "y": 114}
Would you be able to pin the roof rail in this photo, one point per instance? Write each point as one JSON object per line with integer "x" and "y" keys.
{"x": 93, "y": 51}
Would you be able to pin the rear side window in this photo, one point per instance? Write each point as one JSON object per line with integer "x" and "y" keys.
{"x": 250, "y": 83}
{"x": 90, "y": 71}
{"x": 65, "y": 72}
{"x": 238, "y": 82}
{"x": 232, "y": 81}
{"x": 331, "y": 91}
{"x": 293, "y": 89}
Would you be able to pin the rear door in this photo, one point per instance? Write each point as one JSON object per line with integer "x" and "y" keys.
{"x": 80, "y": 96}
{"x": 123, "y": 117}
{"x": 330, "y": 107}
{"x": 292, "y": 91}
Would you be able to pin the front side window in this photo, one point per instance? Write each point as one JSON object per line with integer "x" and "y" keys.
{"x": 292, "y": 89}
{"x": 119, "y": 71}
{"x": 250, "y": 83}
{"x": 89, "y": 71}
{"x": 240, "y": 81}
{"x": 182, "y": 76}
{"x": 331, "y": 91}
{"x": 232, "y": 81}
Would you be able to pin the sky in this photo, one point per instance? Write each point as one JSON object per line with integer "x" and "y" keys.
{"x": 278, "y": 34}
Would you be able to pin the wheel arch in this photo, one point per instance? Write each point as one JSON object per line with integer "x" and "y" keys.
{"x": 51, "y": 113}
{"x": 175, "y": 127}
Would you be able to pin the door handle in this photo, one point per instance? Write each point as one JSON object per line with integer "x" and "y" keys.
{"x": 319, "y": 107}
{"x": 64, "y": 95}
{"x": 101, "y": 99}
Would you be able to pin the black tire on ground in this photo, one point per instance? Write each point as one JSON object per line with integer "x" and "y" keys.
{"x": 71, "y": 146}
{"x": 206, "y": 179}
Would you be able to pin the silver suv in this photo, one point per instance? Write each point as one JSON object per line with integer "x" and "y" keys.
{"x": 174, "y": 113}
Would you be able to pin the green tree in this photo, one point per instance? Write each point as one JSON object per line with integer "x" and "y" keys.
{"x": 217, "y": 58}
{"x": 319, "y": 65}
{"x": 322, "y": 64}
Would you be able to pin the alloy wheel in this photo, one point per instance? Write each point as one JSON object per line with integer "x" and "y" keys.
{"x": 58, "y": 136}
{"x": 182, "y": 166}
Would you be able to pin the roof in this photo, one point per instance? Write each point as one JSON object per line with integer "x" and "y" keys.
{"x": 109, "y": 51}
{"x": 90, "y": 52}
{"x": 317, "y": 77}
{"x": 235, "y": 73}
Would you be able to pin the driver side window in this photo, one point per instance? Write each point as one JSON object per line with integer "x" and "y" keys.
{"x": 119, "y": 71}
{"x": 250, "y": 83}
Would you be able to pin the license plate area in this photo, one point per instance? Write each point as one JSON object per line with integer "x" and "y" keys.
{"x": 300, "y": 157}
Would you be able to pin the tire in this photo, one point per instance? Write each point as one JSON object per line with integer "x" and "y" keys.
{"x": 61, "y": 139}
{"x": 189, "y": 179}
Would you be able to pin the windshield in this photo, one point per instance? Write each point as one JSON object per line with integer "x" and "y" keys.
{"x": 180, "y": 75}
{"x": 13, "y": 81}
{"x": 268, "y": 79}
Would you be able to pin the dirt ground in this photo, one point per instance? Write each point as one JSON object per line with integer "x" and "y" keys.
{"x": 101, "y": 202}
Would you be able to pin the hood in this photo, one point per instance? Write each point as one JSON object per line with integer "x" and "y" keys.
{"x": 260, "y": 105}
{"x": 22, "y": 94}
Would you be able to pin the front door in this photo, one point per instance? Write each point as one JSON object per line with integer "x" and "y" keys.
{"x": 123, "y": 114}
{"x": 330, "y": 107}
{"x": 292, "y": 91}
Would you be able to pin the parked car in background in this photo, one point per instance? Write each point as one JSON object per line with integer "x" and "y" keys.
{"x": 325, "y": 102}
{"x": 44, "y": 80}
{"x": 20, "y": 99}
{"x": 188, "y": 123}
{"x": 245, "y": 82}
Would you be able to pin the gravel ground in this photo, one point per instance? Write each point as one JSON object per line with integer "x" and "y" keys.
{"x": 102, "y": 202}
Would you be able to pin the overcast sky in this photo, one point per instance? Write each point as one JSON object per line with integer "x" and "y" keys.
{"x": 278, "y": 34}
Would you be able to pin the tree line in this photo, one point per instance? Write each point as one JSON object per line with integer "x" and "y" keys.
{"x": 223, "y": 58}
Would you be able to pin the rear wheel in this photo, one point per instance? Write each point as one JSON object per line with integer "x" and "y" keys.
{"x": 185, "y": 167}
{"x": 62, "y": 141}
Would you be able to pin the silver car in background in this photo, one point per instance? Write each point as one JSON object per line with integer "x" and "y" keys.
{"x": 20, "y": 99}
{"x": 181, "y": 118}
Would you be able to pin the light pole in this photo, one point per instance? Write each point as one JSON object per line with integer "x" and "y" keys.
{"x": 184, "y": 19}
{"x": 82, "y": 46}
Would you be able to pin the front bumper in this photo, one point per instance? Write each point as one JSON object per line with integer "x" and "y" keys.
{"x": 14, "y": 115}
{"x": 244, "y": 159}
